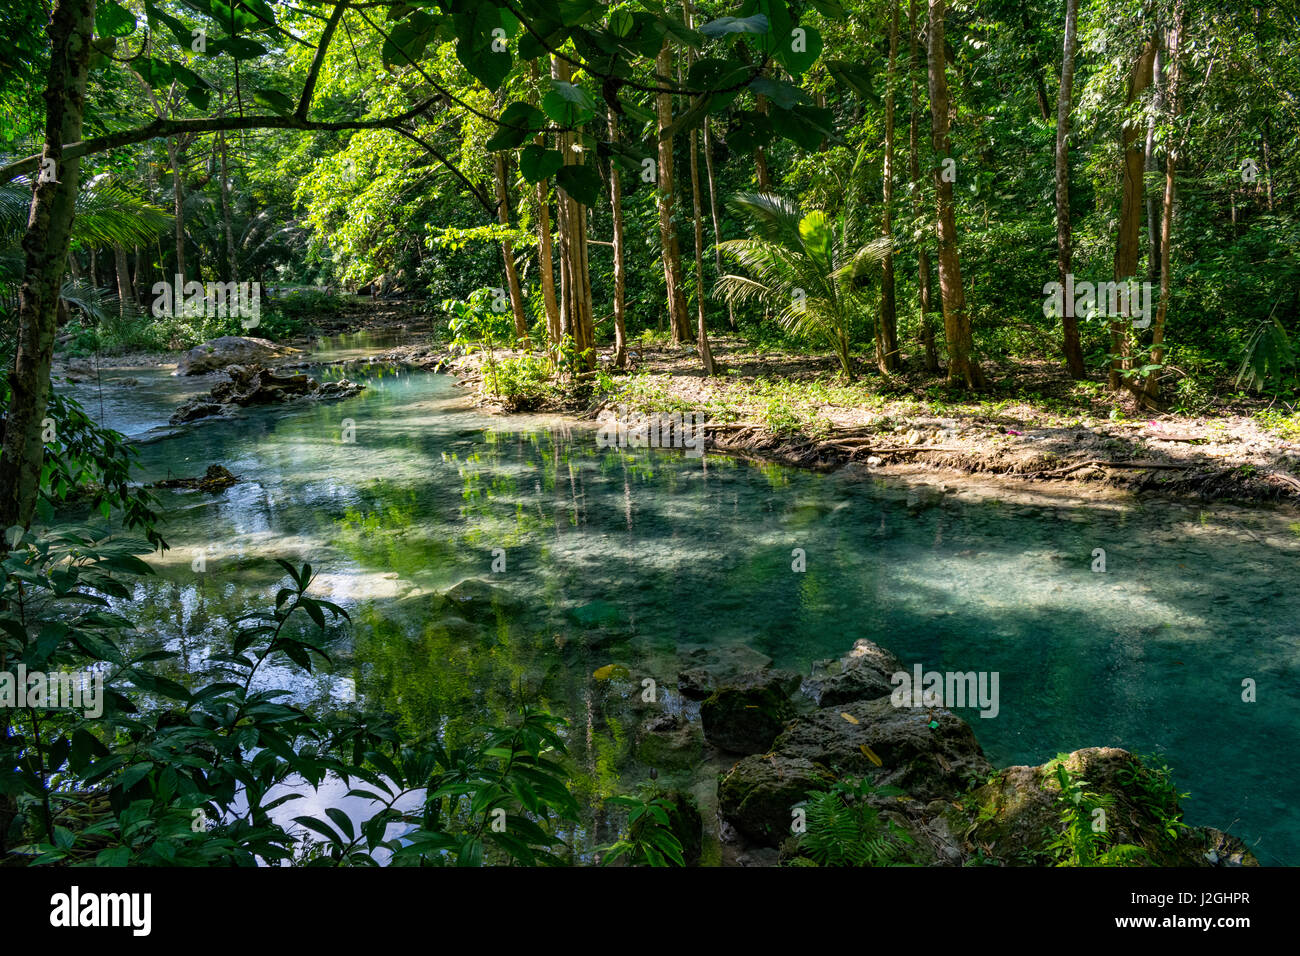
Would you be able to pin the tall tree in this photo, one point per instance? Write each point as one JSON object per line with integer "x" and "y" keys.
{"x": 914, "y": 161}
{"x": 677, "y": 309}
{"x": 620, "y": 253}
{"x": 887, "y": 357}
{"x": 1133, "y": 157}
{"x": 1151, "y": 387}
{"x": 500, "y": 170}
{"x": 701, "y": 331}
{"x": 963, "y": 368}
{"x": 45, "y": 250}
{"x": 1070, "y": 324}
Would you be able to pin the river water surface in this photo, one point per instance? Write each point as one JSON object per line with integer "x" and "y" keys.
{"x": 643, "y": 557}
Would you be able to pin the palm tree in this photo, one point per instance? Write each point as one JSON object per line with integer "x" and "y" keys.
{"x": 805, "y": 266}
{"x": 107, "y": 215}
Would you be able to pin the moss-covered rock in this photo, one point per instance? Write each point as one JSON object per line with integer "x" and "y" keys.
{"x": 756, "y": 795}
{"x": 745, "y": 716}
{"x": 669, "y": 742}
{"x": 861, "y": 674}
{"x": 923, "y": 761}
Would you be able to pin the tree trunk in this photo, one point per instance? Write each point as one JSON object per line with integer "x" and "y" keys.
{"x": 1151, "y": 164}
{"x": 125, "y": 293}
{"x": 620, "y": 276}
{"x": 508, "y": 251}
{"x": 178, "y": 212}
{"x": 575, "y": 277}
{"x": 914, "y": 149}
{"x": 1151, "y": 389}
{"x": 45, "y": 249}
{"x": 1073, "y": 347}
{"x": 544, "y": 258}
{"x": 701, "y": 333}
{"x": 1130, "y": 216}
{"x": 45, "y": 253}
{"x": 677, "y": 309}
{"x": 760, "y": 154}
{"x": 963, "y": 368}
{"x": 1036, "y": 67}
{"x": 887, "y": 358}
{"x": 713, "y": 209}
{"x": 232, "y": 263}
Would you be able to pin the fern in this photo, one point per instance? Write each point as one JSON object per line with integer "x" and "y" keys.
{"x": 845, "y": 829}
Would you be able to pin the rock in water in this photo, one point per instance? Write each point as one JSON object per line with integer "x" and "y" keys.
{"x": 229, "y": 350}
{"x": 745, "y": 715}
{"x": 254, "y": 385}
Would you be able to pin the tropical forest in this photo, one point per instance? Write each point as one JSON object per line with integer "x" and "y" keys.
{"x": 649, "y": 434}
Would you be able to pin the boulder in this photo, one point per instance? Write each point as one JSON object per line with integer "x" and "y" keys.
{"x": 229, "y": 350}
{"x": 1017, "y": 815}
{"x": 745, "y": 715}
{"x": 709, "y": 668}
{"x": 861, "y": 674}
{"x": 254, "y": 385}
{"x": 668, "y": 742}
{"x": 755, "y": 796}
{"x": 923, "y": 761}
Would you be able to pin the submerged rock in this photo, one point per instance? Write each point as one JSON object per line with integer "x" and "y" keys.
{"x": 478, "y": 601}
{"x": 229, "y": 350}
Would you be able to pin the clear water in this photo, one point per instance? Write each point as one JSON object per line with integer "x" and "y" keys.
{"x": 639, "y": 557}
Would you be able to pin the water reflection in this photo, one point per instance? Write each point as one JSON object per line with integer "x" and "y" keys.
{"x": 640, "y": 558}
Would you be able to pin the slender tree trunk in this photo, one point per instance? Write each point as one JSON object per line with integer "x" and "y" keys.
{"x": 125, "y": 293}
{"x": 914, "y": 160}
{"x": 508, "y": 251}
{"x": 760, "y": 154}
{"x": 232, "y": 262}
{"x": 887, "y": 357}
{"x": 701, "y": 332}
{"x": 45, "y": 249}
{"x": 544, "y": 257}
{"x": 677, "y": 308}
{"x": 620, "y": 276}
{"x": 1070, "y": 324}
{"x": 1151, "y": 164}
{"x": 178, "y": 211}
{"x": 575, "y": 274}
{"x": 1151, "y": 390}
{"x": 713, "y": 209}
{"x": 963, "y": 368}
{"x": 1130, "y": 217}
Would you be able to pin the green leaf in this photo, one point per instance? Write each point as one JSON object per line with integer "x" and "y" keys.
{"x": 519, "y": 122}
{"x": 726, "y": 26}
{"x": 537, "y": 163}
{"x": 568, "y": 105}
{"x": 114, "y": 20}
{"x": 273, "y": 100}
{"x": 581, "y": 182}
